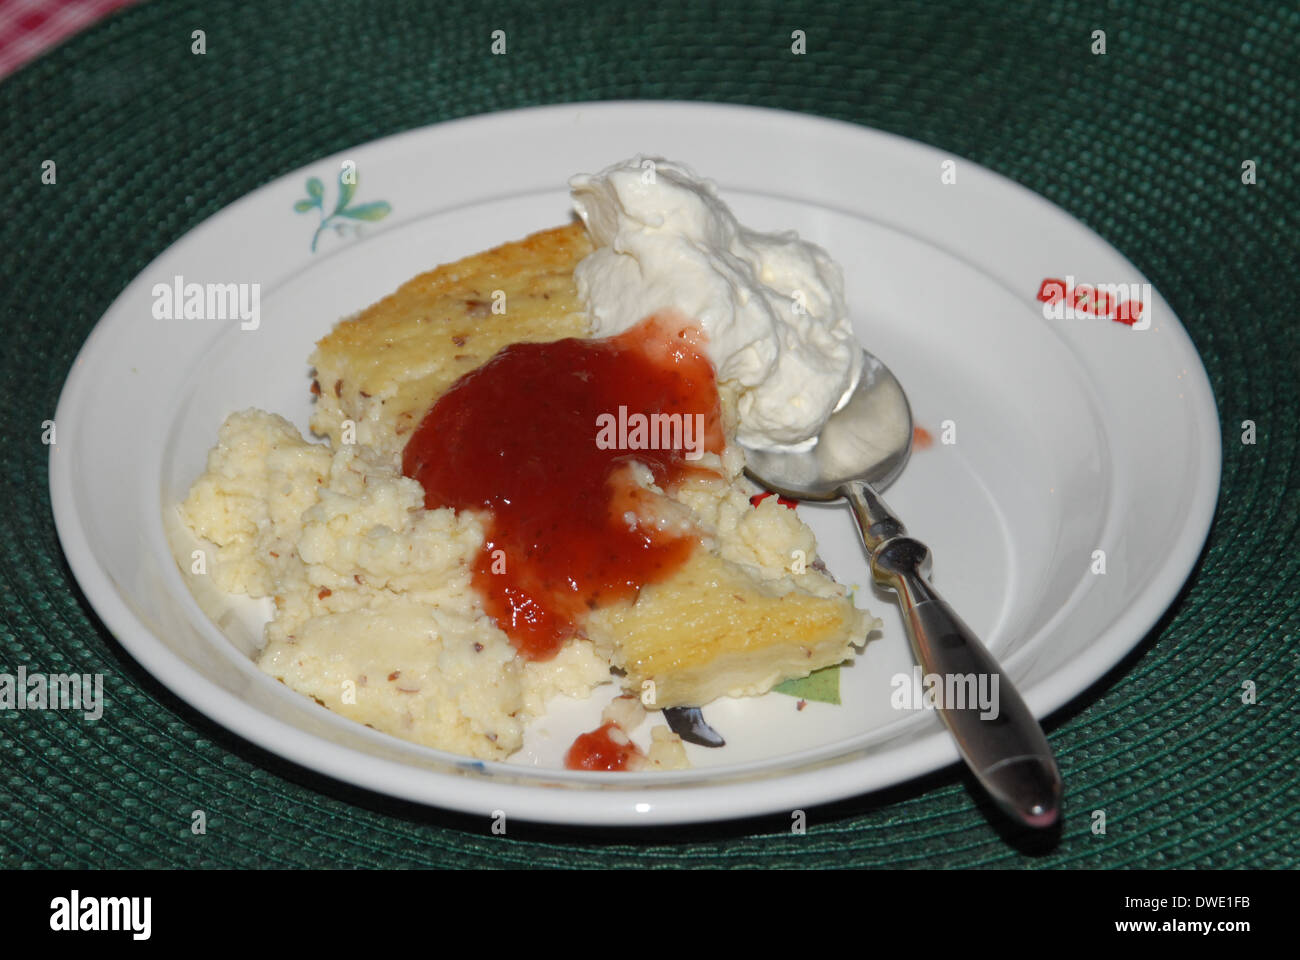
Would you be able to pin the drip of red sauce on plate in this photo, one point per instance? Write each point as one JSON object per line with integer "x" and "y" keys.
{"x": 518, "y": 438}
{"x": 786, "y": 502}
{"x": 598, "y": 750}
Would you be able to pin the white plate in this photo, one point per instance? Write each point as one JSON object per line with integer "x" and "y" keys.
{"x": 1071, "y": 436}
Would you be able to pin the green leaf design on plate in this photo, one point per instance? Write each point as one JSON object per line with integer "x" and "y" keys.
{"x": 821, "y": 685}
{"x": 368, "y": 211}
{"x": 347, "y": 184}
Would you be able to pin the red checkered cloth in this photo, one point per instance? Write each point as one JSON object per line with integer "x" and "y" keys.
{"x": 30, "y": 27}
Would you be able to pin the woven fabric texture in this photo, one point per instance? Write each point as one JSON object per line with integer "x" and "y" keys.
{"x": 1145, "y": 144}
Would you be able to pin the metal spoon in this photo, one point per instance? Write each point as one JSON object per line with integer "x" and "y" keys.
{"x": 865, "y": 445}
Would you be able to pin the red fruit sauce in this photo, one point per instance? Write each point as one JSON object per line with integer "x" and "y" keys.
{"x": 786, "y": 502}
{"x": 598, "y": 751}
{"x": 518, "y": 437}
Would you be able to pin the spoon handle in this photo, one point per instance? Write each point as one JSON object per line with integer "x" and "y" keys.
{"x": 998, "y": 737}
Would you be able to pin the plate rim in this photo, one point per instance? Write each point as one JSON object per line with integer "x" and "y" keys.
{"x": 700, "y": 801}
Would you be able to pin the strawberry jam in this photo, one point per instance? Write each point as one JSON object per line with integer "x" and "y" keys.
{"x": 541, "y": 437}
{"x": 598, "y": 750}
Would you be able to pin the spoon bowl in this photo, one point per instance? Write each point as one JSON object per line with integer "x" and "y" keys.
{"x": 869, "y": 438}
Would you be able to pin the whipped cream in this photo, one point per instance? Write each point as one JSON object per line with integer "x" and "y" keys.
{"x": 771, "y": 305}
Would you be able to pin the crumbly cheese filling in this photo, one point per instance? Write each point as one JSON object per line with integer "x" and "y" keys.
{"x": 374, "y": 613}
{"x": 375, "y": 616}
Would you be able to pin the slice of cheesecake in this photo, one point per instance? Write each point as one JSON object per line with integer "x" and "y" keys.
{"x": 745, "y": 611}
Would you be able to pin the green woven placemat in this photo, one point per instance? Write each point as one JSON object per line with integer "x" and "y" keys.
{"x": 1144, "y": 143}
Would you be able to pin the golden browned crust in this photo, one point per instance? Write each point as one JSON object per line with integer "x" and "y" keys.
{"x": 713, "y": 630}
{"x": 384, "y": 368}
